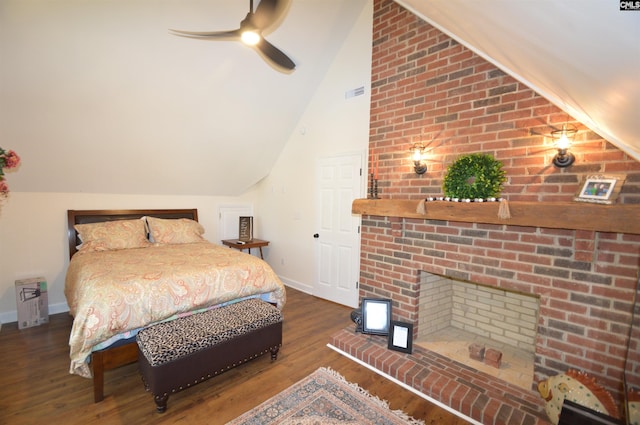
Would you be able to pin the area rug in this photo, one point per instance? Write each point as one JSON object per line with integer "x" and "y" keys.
{"x": 324, "y": 398}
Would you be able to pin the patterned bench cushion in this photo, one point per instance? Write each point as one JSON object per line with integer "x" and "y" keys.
{"x": 169, "y": 341}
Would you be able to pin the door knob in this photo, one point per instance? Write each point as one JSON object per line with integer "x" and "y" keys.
{"x": 315, "y": 235}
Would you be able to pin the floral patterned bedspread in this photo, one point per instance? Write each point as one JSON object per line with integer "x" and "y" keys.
{"x": 112, "y": 292}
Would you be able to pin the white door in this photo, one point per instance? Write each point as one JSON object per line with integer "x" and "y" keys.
{"x": 338, "y": 231}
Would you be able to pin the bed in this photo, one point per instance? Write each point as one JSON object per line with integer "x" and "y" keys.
{"x": 130, "y": 269}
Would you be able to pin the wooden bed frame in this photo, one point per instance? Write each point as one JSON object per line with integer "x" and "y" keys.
{"x": 111, "y": 358}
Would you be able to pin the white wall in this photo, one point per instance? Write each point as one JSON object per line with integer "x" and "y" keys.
{"x": 33, "y": 225}
{"x": 33, "y": 235}
{"x": 330, "y": 126}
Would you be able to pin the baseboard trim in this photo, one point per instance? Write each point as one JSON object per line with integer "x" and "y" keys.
{"x": 12, "y": 316}
{"x": 307, "y": 289}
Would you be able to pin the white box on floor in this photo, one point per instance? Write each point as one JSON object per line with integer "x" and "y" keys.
{"x": 33, "y": 302}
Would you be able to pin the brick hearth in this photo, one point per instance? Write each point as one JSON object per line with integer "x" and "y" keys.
{"x": 475, "y": 394}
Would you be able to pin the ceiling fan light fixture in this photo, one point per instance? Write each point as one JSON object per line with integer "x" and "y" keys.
{"x": 267, "y": 13}
{"x": 250, "y": 37}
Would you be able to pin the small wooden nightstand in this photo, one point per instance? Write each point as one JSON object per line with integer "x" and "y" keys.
{"x": 254, "y": 243}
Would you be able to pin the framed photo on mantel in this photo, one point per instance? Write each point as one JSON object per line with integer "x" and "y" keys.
{"x": 245, "y": 232}
{"x": 600, "y": 188}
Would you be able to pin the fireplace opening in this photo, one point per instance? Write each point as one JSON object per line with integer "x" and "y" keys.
{"x": 490, "y": 329}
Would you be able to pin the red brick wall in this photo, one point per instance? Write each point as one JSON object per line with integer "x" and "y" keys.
{"x": 426, "y": 86}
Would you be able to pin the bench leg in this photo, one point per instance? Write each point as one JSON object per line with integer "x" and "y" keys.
{"x": 274, "y": 353}
{"x": 161, "y": 402}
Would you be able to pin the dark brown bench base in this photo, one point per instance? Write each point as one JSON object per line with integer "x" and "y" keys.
{"x": 181, "y": 373}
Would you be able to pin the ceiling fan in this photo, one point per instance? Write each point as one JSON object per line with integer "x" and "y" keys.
{"x": 250, "y": 32}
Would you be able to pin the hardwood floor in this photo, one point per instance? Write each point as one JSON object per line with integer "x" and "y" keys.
{"x": 35, "y": 386}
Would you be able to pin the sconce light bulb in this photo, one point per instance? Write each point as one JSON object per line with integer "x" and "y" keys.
{"x": 563, "y": 142}
{"x": 419, "y": 165}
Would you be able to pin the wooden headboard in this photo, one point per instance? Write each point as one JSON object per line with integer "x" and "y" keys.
{"x": 94, "y": 216}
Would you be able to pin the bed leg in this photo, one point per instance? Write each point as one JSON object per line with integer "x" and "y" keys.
{"x": 98, "y": 376}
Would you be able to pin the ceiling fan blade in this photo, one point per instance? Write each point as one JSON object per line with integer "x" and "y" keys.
{"x": 268, "y": 12}
{"x": 274, "y": 54}
{"x": 211, "y": 34}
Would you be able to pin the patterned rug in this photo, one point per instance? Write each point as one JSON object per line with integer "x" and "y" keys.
{"x": 324, "y": 398}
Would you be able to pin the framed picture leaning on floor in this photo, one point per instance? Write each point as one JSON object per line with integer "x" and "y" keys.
{"x": 376, "y": 316}
{"x": 401, "y": 337}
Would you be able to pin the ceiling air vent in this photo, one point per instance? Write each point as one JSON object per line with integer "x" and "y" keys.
{"x": 354, "y": 92}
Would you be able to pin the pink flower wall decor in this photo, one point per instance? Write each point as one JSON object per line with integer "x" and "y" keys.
{"x": 8, "y": 160}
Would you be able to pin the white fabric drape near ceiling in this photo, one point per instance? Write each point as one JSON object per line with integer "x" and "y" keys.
{"x": 582, "y": 55}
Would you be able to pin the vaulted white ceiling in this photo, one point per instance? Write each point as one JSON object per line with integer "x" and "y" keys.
{"x": 97, "y": 96}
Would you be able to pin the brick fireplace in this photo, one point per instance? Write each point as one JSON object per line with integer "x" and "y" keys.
{"x": 466, "y": 321}
{"x": 506, "y": 317}
{"x": 426, "y": 87}
{"x": 584, "y": 308}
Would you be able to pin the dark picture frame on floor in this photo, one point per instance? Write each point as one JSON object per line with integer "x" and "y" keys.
{"x": 376, "y": 316}
{"x": 401, "y": 337}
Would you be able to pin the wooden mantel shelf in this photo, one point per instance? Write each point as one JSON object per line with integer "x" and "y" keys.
{"x": 624, "y": 218}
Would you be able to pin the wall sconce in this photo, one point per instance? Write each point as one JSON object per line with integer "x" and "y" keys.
{"x": 562, "y": 140}
{"x": 419, "y": 166}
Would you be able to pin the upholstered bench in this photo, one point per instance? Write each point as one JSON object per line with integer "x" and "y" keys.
{"x": 178, "y": 354}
